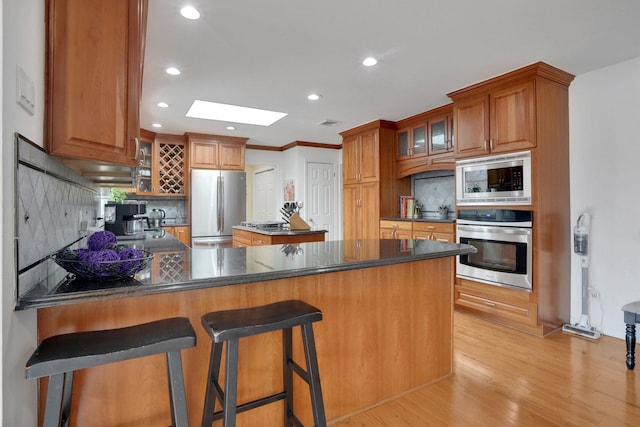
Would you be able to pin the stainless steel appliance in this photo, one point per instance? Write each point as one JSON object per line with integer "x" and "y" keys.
{"x": 494, "y": 180}
{"x": 504, "y": 241}
{"x": 218, "y": 202}
{"x": 156, "y": 216}
{"x": 125, "y": 219}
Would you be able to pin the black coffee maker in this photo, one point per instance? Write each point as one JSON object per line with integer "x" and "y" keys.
{"x": 125, "y": 219}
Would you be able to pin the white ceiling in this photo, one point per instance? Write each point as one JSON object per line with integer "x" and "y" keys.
{"x": 271, "y": 54}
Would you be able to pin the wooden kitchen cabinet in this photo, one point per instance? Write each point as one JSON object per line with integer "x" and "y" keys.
{"x": 361, "y": 157}
{"x": 361, "y": 204}
{"x": 370, "y": 187}
{"x": 497, "y": 303}
{"x": 439, "y": 231}
{"x": 242, "y": 238}
{"x": 502, "y": 119}
{"x": 180, "y": 232}
{"x": 94, "y": 62}
{"x": 216, "y": 152}
{"x": 424, "y": 142}
{"x": 412, "y": 142}
{"x": 163, "y": 168}
{"x": 395, "y": 229}
{"x": 525, "y": 109}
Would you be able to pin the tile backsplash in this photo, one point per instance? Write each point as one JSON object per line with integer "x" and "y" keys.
{"x": 53, "y": 204}
{"x": 431, "y": 189}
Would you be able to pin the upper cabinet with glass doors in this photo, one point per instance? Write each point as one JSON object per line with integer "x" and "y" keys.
{"x": 425, "y": 142}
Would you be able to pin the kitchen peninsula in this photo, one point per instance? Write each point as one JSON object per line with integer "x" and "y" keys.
{"x": 386, "y": 328}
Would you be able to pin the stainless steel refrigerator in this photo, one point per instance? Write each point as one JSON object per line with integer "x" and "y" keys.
{"x": 218, "y": 202}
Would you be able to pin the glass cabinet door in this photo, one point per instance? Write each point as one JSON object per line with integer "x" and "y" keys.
{"x": 145, "y": 168}
{"x": 404, "y": 150}
{"x": 419, "y": 140}
{"x": 441, "y": 135}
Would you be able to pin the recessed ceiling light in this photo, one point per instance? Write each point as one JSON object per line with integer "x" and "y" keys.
{"x": 190, "y": 12}
{"x": 313, "y": 97}
{"x": 156, "y": 125}
{"x": 231, "y": 128}
{"x": 162, "y": 104}
{"x": 370, "y": 62}
{"x": 173, "y": 71}
{"x": 233, "y": 113}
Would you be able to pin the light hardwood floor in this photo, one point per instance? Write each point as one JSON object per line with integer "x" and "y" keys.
{"x": 507, "y": 378}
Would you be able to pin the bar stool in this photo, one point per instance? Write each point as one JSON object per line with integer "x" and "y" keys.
{"x": 59, "y": 356}
{"x": 231, "y": 325}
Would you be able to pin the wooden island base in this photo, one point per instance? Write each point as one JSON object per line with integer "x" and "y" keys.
{"x": 385, "y": 330}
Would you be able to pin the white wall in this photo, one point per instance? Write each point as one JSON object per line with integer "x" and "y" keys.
{"x": 22, "y": 45}
{"x": 291, "y": 164}
{"x": 605, "y": 164}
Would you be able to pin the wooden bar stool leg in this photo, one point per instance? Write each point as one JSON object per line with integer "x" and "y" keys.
{"x": 212, "y": 380}
{"x": 66, "y": 399}
{"x": 314, "y": 375}
{"x": 54, "y": 401}
{"x": 231, "y": 384}
{"x": 177, "y": 394}
{"x": 287, "y": 372}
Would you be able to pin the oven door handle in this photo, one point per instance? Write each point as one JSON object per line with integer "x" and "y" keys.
{"x": 513, "y": 231}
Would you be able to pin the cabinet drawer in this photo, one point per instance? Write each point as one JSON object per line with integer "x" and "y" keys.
{"x": 241, "y": 238}
{"x": 395, "y": 225}
{"x": 434, "y": 227}
{"x": 494, "y": 302}
{"x": 260, "y": 239}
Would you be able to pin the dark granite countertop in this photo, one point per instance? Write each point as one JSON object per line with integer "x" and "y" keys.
{"x": 177, "y": 267}
{"x": 276, "y": 232}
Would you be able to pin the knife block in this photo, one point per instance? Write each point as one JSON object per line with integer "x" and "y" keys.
{"x": 297, "y": 223}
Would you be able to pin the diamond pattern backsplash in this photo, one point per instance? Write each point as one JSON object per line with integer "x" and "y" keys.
{"x": 51, "y": 203}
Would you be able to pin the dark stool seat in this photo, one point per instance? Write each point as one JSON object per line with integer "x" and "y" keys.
{"x": 59, "y": 356}
{"x": 231, "y": 325}
{"x": 631, "y": 317}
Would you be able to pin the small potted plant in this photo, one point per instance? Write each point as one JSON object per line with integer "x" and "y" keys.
{"x": 117, "y": 195}
{"x": 443, "y": 210}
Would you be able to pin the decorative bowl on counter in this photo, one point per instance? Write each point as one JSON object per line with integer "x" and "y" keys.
{"x": 103, "y": 265}
{"x": 103, "y": 259}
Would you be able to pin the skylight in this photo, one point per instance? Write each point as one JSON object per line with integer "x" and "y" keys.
{"x": 233, "y": 113}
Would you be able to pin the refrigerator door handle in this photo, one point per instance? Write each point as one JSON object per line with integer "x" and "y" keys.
{"x": 221, "y": 204}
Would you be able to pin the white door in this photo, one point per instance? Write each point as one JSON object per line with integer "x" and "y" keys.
{"x": 264, "y": 195}
{"x": 320, "y": 207}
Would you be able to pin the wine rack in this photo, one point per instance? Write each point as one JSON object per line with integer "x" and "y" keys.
{"x": 171, "y": 168}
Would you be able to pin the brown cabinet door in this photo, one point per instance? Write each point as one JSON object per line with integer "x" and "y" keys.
{"x": 94, "y": 60}
{"x": 351, "y": 211}
{"x": 204, "y": 154}
{"x": 369, "y": 210}
{"x": 369, "y": 157}
{"x": 350, "y": 160}
{"x": 216, "y": 151}
{"x": 182, "y": 233}
{"x": 471, "y": 118}
{"x": 513, "y": 118}
{"x": 231, "y": 156}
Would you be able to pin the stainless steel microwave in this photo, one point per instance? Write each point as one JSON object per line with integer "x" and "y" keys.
{"x": 494, "y": 180}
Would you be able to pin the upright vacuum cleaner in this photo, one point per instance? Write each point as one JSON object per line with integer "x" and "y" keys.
{"x": 581, "y": 248}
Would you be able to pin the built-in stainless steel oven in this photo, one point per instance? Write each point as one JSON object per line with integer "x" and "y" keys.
{"x": 503, "y": 239}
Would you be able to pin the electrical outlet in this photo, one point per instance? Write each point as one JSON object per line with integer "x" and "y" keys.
{"x": 593, "y": 293}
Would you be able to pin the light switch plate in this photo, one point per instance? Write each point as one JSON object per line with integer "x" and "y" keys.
{"x": 25, "y": 93}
